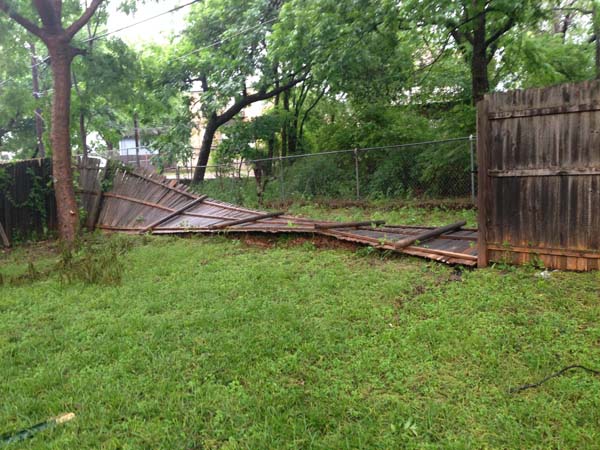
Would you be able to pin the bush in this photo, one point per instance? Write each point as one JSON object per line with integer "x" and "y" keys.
{"x": 325, "y": 175}
{"x": 395, "y": 175}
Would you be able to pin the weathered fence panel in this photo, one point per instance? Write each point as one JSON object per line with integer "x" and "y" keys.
{"x": 539, "y": 176}
{"x": 91, "y": 175}
{"x": 27, "y": 206}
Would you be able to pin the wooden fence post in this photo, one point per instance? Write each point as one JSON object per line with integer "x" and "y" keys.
{"x": 483, "y": 148}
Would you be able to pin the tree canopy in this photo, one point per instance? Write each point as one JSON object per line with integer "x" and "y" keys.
{"x": 319, "y": 66}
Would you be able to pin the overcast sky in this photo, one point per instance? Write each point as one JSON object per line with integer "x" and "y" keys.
{"x": 157, "y": 30}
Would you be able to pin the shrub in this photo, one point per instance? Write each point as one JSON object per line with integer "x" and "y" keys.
{"x": 319, "y": 176}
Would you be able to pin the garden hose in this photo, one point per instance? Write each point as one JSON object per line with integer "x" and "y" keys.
{"x": 27, "y": 433}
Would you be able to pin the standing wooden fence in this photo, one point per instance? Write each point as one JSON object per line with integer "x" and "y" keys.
{"x": 539, "y": 177}
{"x": 27, "y": 206}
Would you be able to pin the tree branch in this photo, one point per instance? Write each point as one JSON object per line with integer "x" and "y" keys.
{"x": 85, "y": 18}
{"x": 510, "y": 22}
{"x": 58, "y": 8}
{"x": 459, "y": 36}
{"x": 307, "y": 112}
{"x": 50, "y": 19}
{"x": 25, "y": 23}
{"x": 252, "y": 98}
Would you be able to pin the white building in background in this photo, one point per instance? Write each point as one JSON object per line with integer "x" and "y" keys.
{"x": 7, "y": 156}
{"x": 127, "y": 152}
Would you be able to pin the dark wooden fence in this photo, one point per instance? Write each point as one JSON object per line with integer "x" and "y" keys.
{"x": 27, "y": 206}
{"x": 539, "y": 177}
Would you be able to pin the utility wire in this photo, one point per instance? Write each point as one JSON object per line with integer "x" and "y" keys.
{"x": 118, "y": 30}
{"x": 221, "y": 41}
{"x": 108, "y": 33}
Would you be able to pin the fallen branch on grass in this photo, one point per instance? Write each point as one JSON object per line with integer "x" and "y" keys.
{"x": 554, "y": 375}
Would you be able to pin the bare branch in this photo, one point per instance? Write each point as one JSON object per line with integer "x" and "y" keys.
{"x": 85, "y": 18}
{"x": 25, "y": 23}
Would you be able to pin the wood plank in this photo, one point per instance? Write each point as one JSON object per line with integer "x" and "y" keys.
{"x": 484, "y": 136}
{"x": 173, "y": 214}
{"x": 349, "y": 236}
{"x": 583, "y": 171}
{"x": 245, "y": 220}
{"x": 452, "y": 236}
{"x": 371, "y": 223}
{"x": 4, "y": 237}
{"x": 138, "y": 201}
{"x": 588, "y": 254}
{"x": 166, "y": 186}
{"x": 96, "y": 202}
{"x": 545, "y": 111}
{"x": 426, "y": 251}
{"x": 426, "y": 235}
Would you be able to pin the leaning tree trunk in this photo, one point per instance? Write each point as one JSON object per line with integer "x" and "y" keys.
{"x": 61, "y": 56}
{"x": 207, "y": 140}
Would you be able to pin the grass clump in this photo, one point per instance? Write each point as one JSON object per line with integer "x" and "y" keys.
{"x": 95, "y": 259}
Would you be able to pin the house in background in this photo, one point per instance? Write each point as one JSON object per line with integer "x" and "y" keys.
{"x": 7, "y": 156}
{"x": 127, "y": 152}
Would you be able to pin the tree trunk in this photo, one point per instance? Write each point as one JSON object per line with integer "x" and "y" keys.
{"x": 61, "y": 55}
{"x": 136, "y": 132}
{"x": 293, "y": 136}
{"x": 285, "y": 128}
{"x": 207, "y": 140}
{"x": 39, "y": 123}
{"x": 479, "y": 61}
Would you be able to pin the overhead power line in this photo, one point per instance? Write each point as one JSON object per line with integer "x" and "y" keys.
{"x": 108, "y": 33}
{"x": 118, "y": 30}
{"x": 221, "y": 41}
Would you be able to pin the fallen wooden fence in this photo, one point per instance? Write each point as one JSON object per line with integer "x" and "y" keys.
{"x": 144, "y": 202}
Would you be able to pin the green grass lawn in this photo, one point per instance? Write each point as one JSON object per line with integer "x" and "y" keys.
{"x": 210, "y": 343}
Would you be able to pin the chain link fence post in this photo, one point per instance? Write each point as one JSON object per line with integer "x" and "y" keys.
{"x": 472, "y": 149}
{"x": 356, "y": 174}
{"x": 281, "y": 179}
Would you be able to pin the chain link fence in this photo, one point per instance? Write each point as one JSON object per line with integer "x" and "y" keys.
{"x": 434, "y": 170}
